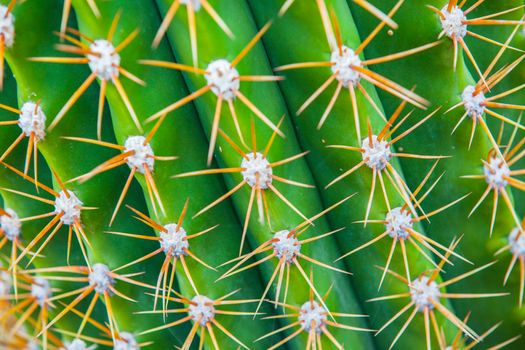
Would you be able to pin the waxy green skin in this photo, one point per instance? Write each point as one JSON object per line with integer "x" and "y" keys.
{"x": 307, "y": 43}
{"x": 53, "y": 84}
{"x": 79, "y": 122}
{"x": 213, "y": 44}
{"x": 443, "y": 87}
{"x": 484, "y": 54}
{"x": 26, "y": 207}
{"x": 182, "y": 127}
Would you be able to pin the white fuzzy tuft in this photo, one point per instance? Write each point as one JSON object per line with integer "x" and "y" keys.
{"x": 223, "y": 79}
{"x": 310, "y": 312}
{"x": 452, "y": 24}
{"x": 421, "y": 292}
{"x": 71, "y": 207}
{"x": 254, "y": 165}
{"x": 496, "y": 169}
{"x": 474, "y": 104}
{"x": 342, "y": 66}
{"x": 398, "y": 222}
{"x": 100, "y": 278}
{"x": 126, "y": 342}
{"x": 517, "y": 243}
{"x": 77, "y": 344}
{"x": 5, "y": 283}
{"x": 31, "y": 345}
{"x": 196, "y": 4}
{"x": 142, "y": 153}
{"x": 201, "y": 308}
{"x": 11, "y": 224}
{"x": 41, "y": 290}
{"x": 104, "y": 61}
{"x": 289, "y": 247}
{"x": 377, "y": 155}
{"x": 174, "y": 241}
{"x": 7, "y": 26}
{"x": 32, "y": 120}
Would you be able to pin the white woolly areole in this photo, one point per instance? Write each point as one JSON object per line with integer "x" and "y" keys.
{"x": 201, "y": 309}
{"x": 377, "y": 155}
{"x": 223, "y": 79}
{"x": 495, "y": 170}
{"x": 257, "y": 164}
{"x": 7, "y": 26}
{"x": 398, "y": 222}
{"x": 195, "y": 4}
{"x": 174, "y": 241}
{"x": 104, "y": 61}
{"x": 77, "y": 344}
{"x": 312, "y": 311}
{"x": 71, "y": 207}
{"x": 474, "y": 104}
{"x": 100, "y": 278}
{"x": 452, "y": 24}
{"x": 142, "y": 153}
{"x": 289, "y": 247}
{"x": 126, "y": 342}
{"x": 32, "y": 346}
{"x": 32, "y": 120}
{"x": 517, "y": 243}
{"x": 41, "y": 290}
{"x": 5, "y": 283}
{"x": 421, "y": 292}
{"x": 11, "y": 224}
{"x": 342, "y": 66}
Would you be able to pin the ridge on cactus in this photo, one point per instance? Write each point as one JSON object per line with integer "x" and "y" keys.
{"x": 399, "y": 223}
{"x": 257, "y": 173}
{"x": 103, "y": 58}
{"x": 223, "y": 80}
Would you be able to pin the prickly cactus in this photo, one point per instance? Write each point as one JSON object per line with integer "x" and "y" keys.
{"x": 262, "y": 174}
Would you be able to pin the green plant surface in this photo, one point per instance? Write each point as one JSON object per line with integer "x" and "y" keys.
{"x": 327, "y": 163}
{"x": 184, "y": 127}
{"x": 69, "y": 160}
{"x": 26, "y": 207}
{"x": 213, "y": 45}
{"x": 303, "y": 243}
{"x": 484, "y": 54}
{"x": 444, "y": 86}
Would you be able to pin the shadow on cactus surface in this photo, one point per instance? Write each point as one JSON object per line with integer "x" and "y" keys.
{"x": 363, "y": 165}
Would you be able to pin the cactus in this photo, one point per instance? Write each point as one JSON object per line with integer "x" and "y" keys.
{"x": 277, "y": 174}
